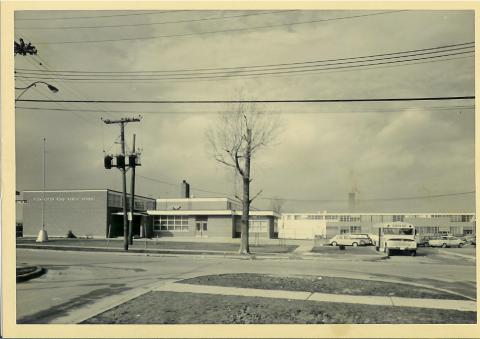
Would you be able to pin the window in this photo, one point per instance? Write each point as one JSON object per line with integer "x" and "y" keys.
{"x": 355, "y": 229}
{"x": 114, "y": 200}
{"x": 344, "y": 230}
{"x": 427, "y": 229}
{"x": 461, "y": 218}
{"x": 258, "y": 224}
{"x": 456, "y": 230}
{"x": 347, "y": 218}
{"x": 172, "y": 223}
{"x": 398, "y": 218}
{"x": 331, "y": 217}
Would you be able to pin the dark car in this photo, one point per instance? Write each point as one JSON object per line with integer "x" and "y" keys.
{"x": 422, "y": 241}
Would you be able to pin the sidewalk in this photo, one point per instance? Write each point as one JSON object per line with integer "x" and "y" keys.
{"x": 459, "y": 305}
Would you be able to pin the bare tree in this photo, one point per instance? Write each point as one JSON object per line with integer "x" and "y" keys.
{"x": 236, "y": 137}
{"x": 277, "y": 204}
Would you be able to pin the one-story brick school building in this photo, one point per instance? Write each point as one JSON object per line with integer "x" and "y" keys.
{"x": 99, "y": 214}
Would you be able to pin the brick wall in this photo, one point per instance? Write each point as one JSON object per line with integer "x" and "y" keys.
{"x": 82, "y": 212}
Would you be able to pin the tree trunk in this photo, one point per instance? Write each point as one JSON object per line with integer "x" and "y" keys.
{"x": 244, "y": 244}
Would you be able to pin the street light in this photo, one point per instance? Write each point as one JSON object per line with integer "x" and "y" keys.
{"x": 50, "y": 87}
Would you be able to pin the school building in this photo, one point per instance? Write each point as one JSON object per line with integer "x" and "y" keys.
{"x": 326, "y": 225}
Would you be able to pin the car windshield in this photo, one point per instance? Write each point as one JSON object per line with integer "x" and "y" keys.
{"x": 398, "y": 231}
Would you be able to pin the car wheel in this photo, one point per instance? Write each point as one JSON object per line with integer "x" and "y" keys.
{"x": 460, "y": 245}
{"x": 444, "y": 245}
{"x": 334, "y": 243}
{"x": 354, "y": 244}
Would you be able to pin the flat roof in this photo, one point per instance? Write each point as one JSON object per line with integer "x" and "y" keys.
{"x": 211, "y": 212}
{"x": 196, "y": 200}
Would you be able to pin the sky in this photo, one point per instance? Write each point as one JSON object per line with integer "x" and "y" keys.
{"x": 396, "y": 156}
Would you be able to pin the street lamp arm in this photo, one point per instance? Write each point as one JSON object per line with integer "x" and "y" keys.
{"x": 50, "y": 87}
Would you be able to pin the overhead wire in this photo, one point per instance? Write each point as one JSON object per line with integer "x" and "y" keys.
{"x": 236, "y": 74}
{"x": 466, "y": 97}
{"x": 470, "y": 44}
{"x": 98, "y": 16}
{"x": 324, "y": 200}
{"x": 365, "y": 111}
{"x": 159, "y": 23}
{"x": 216, "y": 31}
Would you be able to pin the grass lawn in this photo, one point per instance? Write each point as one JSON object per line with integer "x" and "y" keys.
{"x": 321, "y": 285}
{"x": 192, "y": 308}
{"x": 162, "y": 245}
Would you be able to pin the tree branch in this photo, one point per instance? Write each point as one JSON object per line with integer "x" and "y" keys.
{"x": 220, "y": 160}
{"x": 256, "y": 195}
{"x": 239, "y": 169}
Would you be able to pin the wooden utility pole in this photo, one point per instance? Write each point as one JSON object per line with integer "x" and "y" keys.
{"x": 132, "y": 162}
{"x": 122, "y": 167}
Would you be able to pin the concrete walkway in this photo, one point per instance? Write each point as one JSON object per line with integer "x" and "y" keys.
{"x": 459, "y": 305}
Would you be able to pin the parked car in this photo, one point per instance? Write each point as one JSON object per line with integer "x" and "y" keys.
{"x": 422, "y": 241}
{"x": 350, "y": 240}
{"x": 446, "y": 241}
{"x": 469, "y": 239}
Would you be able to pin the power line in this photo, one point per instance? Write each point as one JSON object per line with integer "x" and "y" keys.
{"x": 297, "y": 65}
{"x": 267, "y": 65}
{"x": 97, "y": 16}
{"x": 160, "y": 23}
{"x": 257, "y": 101}
{"x": 252, "y": 74}
{"x": 218, "y": 31}
{"x": 326, "y": 200}
{"x": 310, "y": 73}
{"x": 366, "y": 111}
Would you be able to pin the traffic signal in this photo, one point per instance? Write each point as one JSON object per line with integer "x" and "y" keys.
{"x": 120, "y": 161}
{"x": 108, "y": 161}
{"x": 133, "y": 160}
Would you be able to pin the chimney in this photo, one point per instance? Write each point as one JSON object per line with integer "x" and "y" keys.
{"x": 185, "y": 190}
{"x": 351, "y": 201}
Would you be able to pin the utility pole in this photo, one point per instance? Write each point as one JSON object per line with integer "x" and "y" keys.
{"x": 121, "y": 166}
{"x": 132, "y": 162}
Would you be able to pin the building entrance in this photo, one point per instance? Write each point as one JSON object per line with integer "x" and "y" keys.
{"x": 201, "y": 227}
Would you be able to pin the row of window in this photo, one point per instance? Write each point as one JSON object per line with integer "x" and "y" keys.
{"x": 174, "y": 223}
{"x": 350, "y": 229}
{"x": 378, "y": 218}
{"x": 116, "y": 200}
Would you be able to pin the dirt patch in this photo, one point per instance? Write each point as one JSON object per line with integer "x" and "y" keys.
{"x": 192, "y": 308}
{"x": 320, "y": 284}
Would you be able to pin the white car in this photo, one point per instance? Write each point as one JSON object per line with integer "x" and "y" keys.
{"x": 350, "y": 240}
{"x": 446, "y": 241}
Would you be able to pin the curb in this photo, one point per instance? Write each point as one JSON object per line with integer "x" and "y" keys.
{"x": 120, "y": 250}
{"x": 210, "y": 253}
{"x": 27, "y": 276}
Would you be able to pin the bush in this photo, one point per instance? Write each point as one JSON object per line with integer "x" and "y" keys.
{"x": 70, "y": 235}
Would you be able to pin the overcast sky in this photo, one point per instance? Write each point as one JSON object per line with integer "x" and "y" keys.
{"x": 326, "y": 150}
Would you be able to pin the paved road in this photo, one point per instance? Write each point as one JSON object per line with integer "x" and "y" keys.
{"x": 75, "y": 279}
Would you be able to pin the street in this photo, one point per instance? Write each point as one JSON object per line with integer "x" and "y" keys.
{"x": 75, "y": 279}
